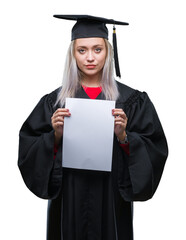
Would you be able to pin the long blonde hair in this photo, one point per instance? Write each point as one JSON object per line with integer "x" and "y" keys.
{"x": 72, "y": 77}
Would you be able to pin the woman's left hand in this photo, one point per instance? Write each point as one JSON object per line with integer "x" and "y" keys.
{"x": 120, "y": 123}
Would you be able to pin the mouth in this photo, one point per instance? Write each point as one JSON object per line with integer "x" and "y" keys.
{"x": 90, "y": 66}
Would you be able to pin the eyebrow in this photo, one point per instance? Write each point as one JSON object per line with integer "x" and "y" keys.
{"x": 97, "y": 45}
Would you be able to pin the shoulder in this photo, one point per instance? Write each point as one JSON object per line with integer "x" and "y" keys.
{"x": 130, "y": 96}
{"x": 52, "y": 96}
{"x": 47, "y": 102}
{"x": 124, "y": 89}
{"x": 50, "y": 99}
{"x": 126, "y": 92}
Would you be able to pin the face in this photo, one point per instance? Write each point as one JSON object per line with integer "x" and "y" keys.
{"x": 90, "y": 54}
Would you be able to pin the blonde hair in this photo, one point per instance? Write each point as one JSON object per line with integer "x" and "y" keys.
{"x": 72, "y": 77}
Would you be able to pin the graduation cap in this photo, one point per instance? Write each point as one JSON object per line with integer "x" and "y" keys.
{"x": 90, "y": 26}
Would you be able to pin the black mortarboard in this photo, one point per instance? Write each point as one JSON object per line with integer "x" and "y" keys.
{"x": 89, "y": 26}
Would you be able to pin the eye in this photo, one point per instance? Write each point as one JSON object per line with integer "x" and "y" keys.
{"x": 81, "y": 50}
{"x": 97, "y": 50}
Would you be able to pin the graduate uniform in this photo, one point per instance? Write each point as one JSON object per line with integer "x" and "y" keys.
{"x": 87, "y": 205}
{"x": 94, "y": 205}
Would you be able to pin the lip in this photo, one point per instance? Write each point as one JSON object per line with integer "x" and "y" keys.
{"x": 90, "y": 66}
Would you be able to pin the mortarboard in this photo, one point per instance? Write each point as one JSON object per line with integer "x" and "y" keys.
{"x": 90, "y": 26}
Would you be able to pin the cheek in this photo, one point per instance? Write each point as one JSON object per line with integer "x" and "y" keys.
{"x": 102, "y": 60}
{"x": 79, "y": 60}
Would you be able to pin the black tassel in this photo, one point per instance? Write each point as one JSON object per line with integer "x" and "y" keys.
{"x": 116, "y": 61}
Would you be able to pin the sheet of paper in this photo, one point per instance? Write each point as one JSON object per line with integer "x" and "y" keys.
{"x": 88, "y": 134}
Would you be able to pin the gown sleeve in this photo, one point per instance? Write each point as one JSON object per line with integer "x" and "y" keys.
{"x": 41, "y": 173}
{"x": 148, "y": 150}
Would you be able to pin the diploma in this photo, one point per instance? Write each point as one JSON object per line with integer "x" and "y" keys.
{"x": 88, "y": 134}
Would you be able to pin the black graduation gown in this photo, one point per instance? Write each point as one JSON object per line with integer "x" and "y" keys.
{"x": 94, "y": 205}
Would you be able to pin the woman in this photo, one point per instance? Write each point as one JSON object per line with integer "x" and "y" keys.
{"x": 83, "y": 204}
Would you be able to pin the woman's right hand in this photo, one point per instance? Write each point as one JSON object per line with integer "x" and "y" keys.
{"x": 58, "y": 122}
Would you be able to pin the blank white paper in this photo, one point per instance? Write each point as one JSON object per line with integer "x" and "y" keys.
{"x": 88, "y": 134}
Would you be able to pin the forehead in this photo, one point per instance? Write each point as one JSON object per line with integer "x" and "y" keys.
{"x": 88, "y": 42}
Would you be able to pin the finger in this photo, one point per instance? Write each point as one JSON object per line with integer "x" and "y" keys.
{"x": 117, "y": 109}
{"x": 119, "y": 112}
{"x": 58, "y": 119}
{"x": 121, "y": 124}
{"x": 58, "y": 125}
{"x": 62, "y": 110}
{"x": 61, "y": 114}
{"x": 119, "y": 119}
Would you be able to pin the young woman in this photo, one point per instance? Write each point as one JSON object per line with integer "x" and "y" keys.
{"x": 84, "y": 204}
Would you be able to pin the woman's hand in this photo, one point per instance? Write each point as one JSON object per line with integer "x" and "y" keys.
{"x": 58, "y": 122}
{"x": 120, "y": 123}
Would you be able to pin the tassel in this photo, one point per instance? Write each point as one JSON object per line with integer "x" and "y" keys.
{"x": 116, "y": 61}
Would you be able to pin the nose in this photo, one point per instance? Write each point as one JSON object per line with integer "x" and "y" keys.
{"x": 90, "y": 56}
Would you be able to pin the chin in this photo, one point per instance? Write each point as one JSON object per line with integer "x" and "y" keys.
{"x": 90, "y": 73}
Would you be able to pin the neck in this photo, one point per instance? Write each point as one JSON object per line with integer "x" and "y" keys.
{"x": 91, "y": 81}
